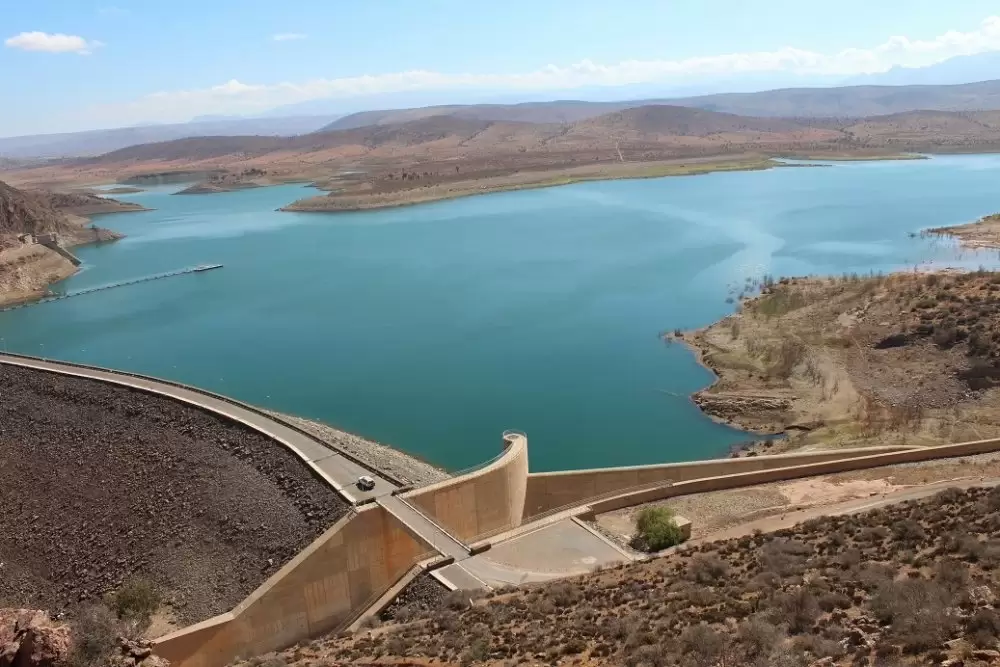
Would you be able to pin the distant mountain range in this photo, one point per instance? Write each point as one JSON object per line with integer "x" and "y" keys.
{"x": 648, "y": 132}
{"x": 835, "y": 102}
{"x": 844, "y": 102}
{"x": 961, "y": 69}
{"x": 97, "y": 142}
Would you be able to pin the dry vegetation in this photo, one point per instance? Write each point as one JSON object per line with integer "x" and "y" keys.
{"x": 860, "y": 360}
{"x": 909, "y": 584}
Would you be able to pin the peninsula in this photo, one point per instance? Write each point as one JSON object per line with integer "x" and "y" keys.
{"x": 28, "y": 267}
{"x": 862, "y": 360}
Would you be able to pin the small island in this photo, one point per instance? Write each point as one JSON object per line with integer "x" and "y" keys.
{"x": 228, "y": 182}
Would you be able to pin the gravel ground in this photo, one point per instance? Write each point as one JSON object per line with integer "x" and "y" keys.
{"x": 402, "y": 466}
{"x": 102, "y": 482}
{"x": 422, "y": 594}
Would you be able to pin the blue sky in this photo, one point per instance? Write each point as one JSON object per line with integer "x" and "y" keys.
{"x": 73, "y": 64}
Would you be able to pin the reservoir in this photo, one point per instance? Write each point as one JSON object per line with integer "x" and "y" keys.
{"x": 435, "y": 327}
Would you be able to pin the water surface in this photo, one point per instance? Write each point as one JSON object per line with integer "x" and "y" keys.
{"x": 434, "y": 328}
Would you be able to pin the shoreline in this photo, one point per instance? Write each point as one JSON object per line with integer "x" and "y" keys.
{"x": 44, "y": 267}
{"x": 347, "y": 202}
{"x": 848, "y": 361}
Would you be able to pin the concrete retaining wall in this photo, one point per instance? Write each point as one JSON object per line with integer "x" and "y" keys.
{"x": 334, "y": 578}
{"x": 550, "y": 490}
{"x": 482, "y": 502}
{"x": 751, "y": 478}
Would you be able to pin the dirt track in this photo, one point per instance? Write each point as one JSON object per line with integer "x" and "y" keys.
{"x": 102, "y": 482}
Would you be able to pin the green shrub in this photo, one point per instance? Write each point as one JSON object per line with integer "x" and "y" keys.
{"x": 135, "y": 602}
{"x": 656, "y": 529}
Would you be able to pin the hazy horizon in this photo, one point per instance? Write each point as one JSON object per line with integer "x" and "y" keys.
{"x": 73, "y": 66}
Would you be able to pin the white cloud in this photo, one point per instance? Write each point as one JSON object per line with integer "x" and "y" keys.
{"x": 287, "y": 36}
{"x": 236, "y": 97}
{"x": 51, "y": 43}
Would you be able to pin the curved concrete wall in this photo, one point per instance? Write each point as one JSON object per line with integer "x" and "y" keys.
{"x": 550, "y": 490}
{"x": 484, "y": 501}
{"x": 797, "y": 470}
{"x": 335, "y": 577}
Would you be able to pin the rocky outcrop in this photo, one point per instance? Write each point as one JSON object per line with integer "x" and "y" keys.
{"x": 29, "y": 638}
{"x": 23, "y": 213}
{"x": 26, "y": 268}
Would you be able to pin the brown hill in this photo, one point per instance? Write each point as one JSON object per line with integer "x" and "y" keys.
{"x": 27, "y": 268}
{"x": 559, "y": 111}
{"x": 22, "y": 212}
{"x": 667, "y": 120}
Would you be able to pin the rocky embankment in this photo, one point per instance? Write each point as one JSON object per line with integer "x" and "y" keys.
{"x": 103, "y": 483}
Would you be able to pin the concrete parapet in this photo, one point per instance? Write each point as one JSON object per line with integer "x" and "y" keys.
{"x": 481, "y": 502}
{"x": 549, "y": 490}
{"x": 336, "y": 577}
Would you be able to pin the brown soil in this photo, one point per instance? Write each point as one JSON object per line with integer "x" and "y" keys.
{"x": 908, "y": 584}
{"x": 907, "y": 358}
{"x": 102, "y": 483}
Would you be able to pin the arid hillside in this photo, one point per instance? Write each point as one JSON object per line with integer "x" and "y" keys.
{"x": 27, "y": 268}
{"x": 854, "y": 361}
{"x": 909, "y": 584}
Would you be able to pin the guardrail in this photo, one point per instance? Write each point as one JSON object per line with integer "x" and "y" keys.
{"x": 220, "y": 397}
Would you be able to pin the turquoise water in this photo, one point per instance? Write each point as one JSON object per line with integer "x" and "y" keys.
{"x": 434, "y": 328}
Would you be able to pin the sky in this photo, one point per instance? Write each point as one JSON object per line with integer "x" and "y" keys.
{"x": 68, "y": 65}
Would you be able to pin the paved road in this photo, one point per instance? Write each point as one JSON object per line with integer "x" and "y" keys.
{"x": 426, "y": 529}
{"x": 556, "y": 550}
{"x": 339, "y": 471}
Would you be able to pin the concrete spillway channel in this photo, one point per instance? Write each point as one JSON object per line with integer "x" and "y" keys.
{"x": 122, "y": 283}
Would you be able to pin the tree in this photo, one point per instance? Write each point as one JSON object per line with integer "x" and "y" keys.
{"x": 656, "y": 529}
